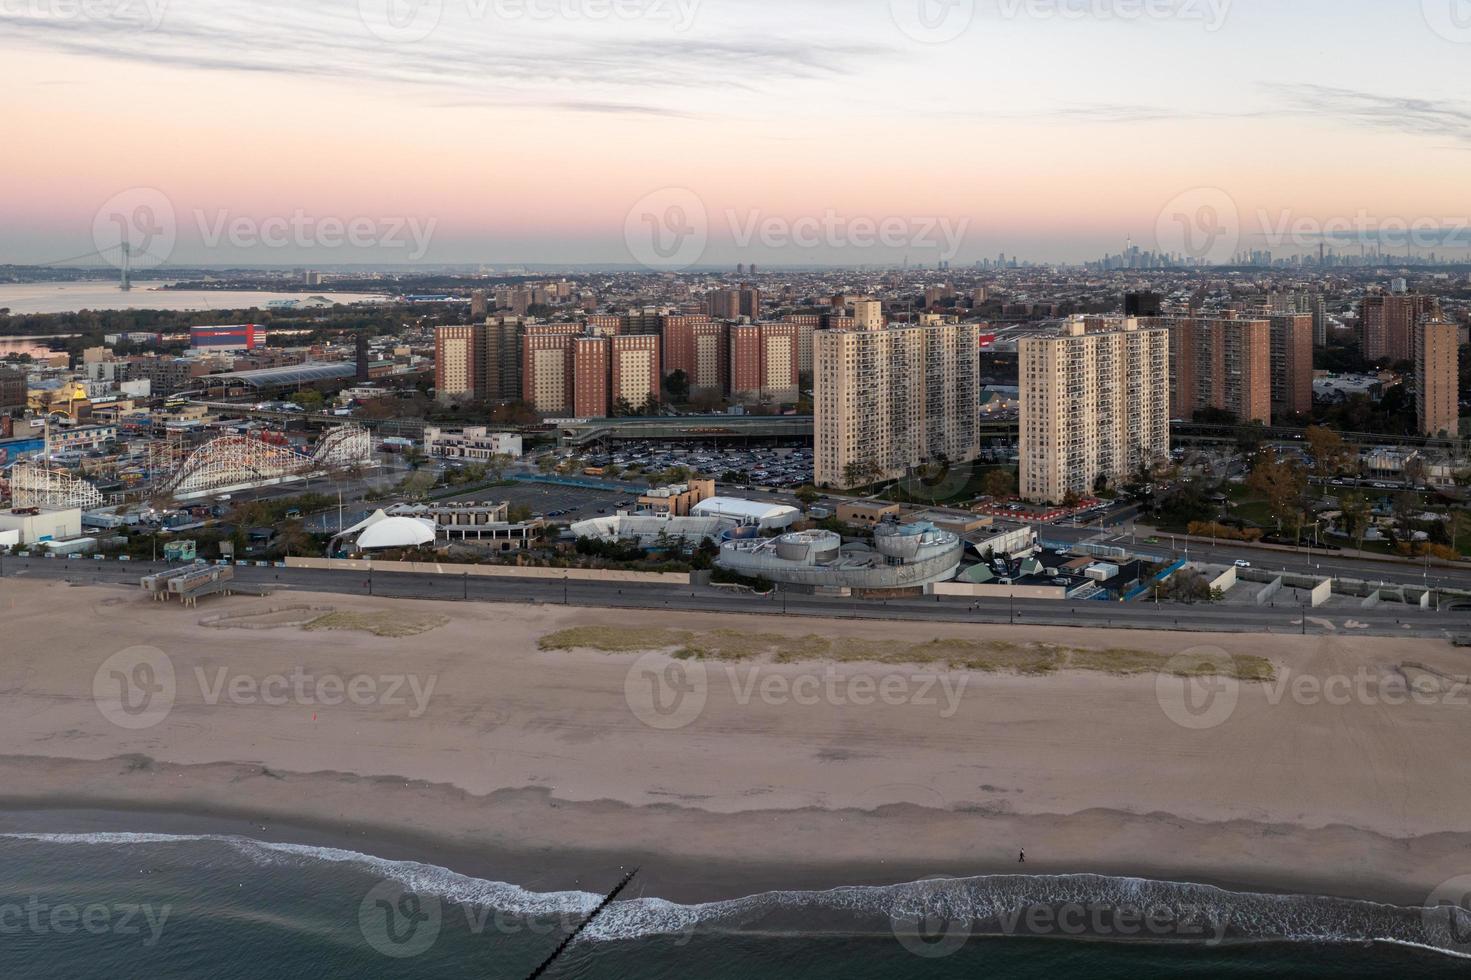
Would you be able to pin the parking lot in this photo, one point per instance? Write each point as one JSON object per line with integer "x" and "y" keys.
{"x": 559, "y": 504}
{"x": 764, "y": 467}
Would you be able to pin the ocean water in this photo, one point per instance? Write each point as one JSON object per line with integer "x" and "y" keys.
{"x": 68, "y": 297}
{"x": 137, "y": 907}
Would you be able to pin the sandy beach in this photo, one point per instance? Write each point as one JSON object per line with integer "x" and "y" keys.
{"x": 467, "y": 745}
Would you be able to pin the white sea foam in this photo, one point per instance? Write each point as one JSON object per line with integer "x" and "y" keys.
{"x": 987, "y": 905}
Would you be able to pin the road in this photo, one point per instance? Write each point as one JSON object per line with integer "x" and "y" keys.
{"x": 1285, "y": 617}
{"x": 1315, "y": 561}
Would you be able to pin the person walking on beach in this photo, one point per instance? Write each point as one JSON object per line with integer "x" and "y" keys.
{"x": 1022, "y": 857}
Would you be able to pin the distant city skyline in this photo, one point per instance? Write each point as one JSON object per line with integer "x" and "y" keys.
{"x": 789, "y": 134}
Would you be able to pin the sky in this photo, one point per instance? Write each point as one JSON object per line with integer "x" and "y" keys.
{"x": 672, "y": 133}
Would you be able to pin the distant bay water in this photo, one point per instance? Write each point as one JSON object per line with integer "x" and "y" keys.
{"x": 68, "y": 297}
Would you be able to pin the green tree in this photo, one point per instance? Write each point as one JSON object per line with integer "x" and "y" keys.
{"x": 998, "y": 484}
{"x": 1283, "y": 485}
{"x": 808, "y": 494}
{"x": 677, "y": 386}
{"x": 1329, "y": 451}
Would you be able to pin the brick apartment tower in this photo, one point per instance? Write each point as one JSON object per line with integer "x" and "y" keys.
{"x": 1292, "y": 365}
{"x": 1222, "y": 363}
{"x": 459, "y": 358}
{"x": 698, "y": 346}
{"x": 1388, "y": 321}
{"x": 589, "y": 377}
{"x": 1437, "y": 376}
{"x": 764, "y": 361}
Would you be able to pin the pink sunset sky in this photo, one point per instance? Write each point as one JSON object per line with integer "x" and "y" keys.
{"x": 525, "y": 131}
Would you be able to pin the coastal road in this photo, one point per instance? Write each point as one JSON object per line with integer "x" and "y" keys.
{"x": 1325, "y": 563}
{"x": 1286, "y": 616}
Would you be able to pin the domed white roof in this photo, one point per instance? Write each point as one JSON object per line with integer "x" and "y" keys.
{"x": 397, "y": 532}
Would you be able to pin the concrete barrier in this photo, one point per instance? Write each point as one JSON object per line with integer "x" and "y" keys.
{"x": 966, "y": 590}
{"x": 1226, "y": 581}
{"x": 489, "y": 571}
{"x": 1269, "y": 593}
{"x": 1372, "y": 600}
{"x": 1322, "y": 592}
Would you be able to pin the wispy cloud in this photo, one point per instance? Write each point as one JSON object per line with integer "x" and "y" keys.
{"x": 1402, "y": 114}
{"x": 582, "y": 66}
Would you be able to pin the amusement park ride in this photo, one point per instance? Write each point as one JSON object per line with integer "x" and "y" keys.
{"x": 223, "y": 465}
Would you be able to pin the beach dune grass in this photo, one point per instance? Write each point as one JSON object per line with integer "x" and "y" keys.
{"x": 389, "y": 624}
{"x": 954, "y": 653}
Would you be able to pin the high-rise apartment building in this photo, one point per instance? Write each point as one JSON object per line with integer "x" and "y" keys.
{"x": 698, "y": 346}
{"x": 1292, "y": 365}
{"x": 1387, "y": 324}
{"x": 868, "y": 314}
{"x": 764, "y": 361}
{"x": 546, "y": 370}
{"x": 1143, "y": 303}
{"x": 459, "y": 361}
{"x": 891, "y": 398}
{"x": 1437, "y": 377}
{"x": 1221, "y": 363}
{"x": 731, "y": 304}
{"x": 633, "y": 370}
{"x": 589, "y": 377}
{"x": 1094, "y": 403}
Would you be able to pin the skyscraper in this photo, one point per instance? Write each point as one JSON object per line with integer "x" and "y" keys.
{"x": 698, "y": 346}
{"x": 1094, "y": 403}
{"x": 1387, "y": 324}
{"x": 1437, "y": 377}
{"x": 1292, "y": 365}
{"x": 459, "y": 359}
{"x": 764, "y": 361}
{"x": 891, "y": 398}
{"x": 1220, "y": 363}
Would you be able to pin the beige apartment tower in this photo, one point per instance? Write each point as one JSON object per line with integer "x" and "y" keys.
{"x": 1437, "y": 376}
{"x": 889, "y": 399}
{"x": 1095, "y": 403}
